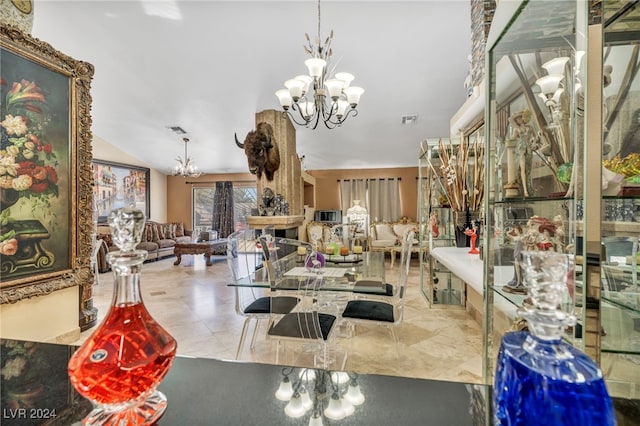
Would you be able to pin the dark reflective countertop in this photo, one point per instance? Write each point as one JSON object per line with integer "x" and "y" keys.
{"x": 35, "y": 390}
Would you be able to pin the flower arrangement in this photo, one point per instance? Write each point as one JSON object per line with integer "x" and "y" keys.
{"x": 27, "y": 160}
{"x": 462, "y": 180}
{"x": 22, "y": 151}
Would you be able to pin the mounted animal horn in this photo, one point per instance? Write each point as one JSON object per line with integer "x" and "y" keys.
{"x": 240, "y": 145}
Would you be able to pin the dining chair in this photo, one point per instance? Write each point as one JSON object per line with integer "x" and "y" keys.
{"x": 388, "y": 312}
{"x": 244, "y": 257}
{"x": 306, "y": 325}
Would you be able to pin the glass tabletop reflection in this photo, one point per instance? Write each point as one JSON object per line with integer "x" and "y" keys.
{"x": 339, "y": 274}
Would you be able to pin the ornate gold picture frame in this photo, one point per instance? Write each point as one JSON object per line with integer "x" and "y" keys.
{"x": 46, "y": 179}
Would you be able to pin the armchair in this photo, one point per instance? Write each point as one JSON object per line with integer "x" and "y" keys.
{"x": 319, "y": 232}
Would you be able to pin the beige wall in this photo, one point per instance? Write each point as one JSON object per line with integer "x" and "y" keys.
{"x": 53, "y": 317}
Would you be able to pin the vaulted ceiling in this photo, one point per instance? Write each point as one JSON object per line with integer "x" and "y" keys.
{"x": 208, "y": 66}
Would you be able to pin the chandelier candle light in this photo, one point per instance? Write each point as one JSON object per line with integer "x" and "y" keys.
{"x": 186, "y": 168}
{"x": 315, "y": 107}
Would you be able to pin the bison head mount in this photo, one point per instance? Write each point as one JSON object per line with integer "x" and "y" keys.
{"x": 261, "y": 150}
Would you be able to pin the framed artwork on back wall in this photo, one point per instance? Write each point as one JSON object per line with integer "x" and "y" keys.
{"x": 120, "y": 185}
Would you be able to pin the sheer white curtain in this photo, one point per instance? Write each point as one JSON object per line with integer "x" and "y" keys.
{"x": 353, "y": 189}
{"x": 384, "y": 199}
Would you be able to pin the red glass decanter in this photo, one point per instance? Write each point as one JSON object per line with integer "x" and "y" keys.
{"x": 120, "y": 366}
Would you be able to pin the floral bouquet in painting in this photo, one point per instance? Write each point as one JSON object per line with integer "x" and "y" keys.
{"x": 27, "y": 160}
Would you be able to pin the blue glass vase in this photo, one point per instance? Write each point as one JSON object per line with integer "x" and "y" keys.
{"x": 541, "y": 380}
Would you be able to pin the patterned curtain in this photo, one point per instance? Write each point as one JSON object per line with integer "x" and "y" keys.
{"x": 223, "y": 209}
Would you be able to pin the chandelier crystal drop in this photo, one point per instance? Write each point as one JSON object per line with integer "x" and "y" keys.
{"x": 314, "y": 98}
{"x": 186, "y": 168}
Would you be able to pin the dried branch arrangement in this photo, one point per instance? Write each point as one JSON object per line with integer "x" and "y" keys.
{"x": 463, "y": 180}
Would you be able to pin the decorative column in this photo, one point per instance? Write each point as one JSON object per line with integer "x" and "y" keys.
{"x": 481, "y": 17}
{"x": 287, "y": 180}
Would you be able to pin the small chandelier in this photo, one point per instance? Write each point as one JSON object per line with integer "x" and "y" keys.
{"x": 186, "y": 168}
{"x": 313, "y": 107}
{"x": 320, "y": 393}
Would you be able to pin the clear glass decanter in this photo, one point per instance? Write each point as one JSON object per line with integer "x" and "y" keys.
{"x": 540, "y": 379}
{"x": 120, "y": 366}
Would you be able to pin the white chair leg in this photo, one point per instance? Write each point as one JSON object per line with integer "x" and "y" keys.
{"x": 396, "y": 341}
{"x": 255, "y": 332}
{"x": 242, "y": 336}
{"x": 277, "y": 351}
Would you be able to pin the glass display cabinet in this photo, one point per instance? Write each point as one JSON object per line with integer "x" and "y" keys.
{"x": 534, "y": 180}
{"x": 436, "y": 230}
{"x": 616, "y": 67}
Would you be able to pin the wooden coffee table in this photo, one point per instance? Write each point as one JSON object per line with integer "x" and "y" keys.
{"x": 205, "y": 248}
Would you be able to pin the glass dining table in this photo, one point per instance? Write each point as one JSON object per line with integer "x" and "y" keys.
{"x": 340, "y": 273}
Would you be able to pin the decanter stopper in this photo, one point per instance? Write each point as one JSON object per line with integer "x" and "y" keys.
{"x": 126, "y": 228}
{"x": 545, "y": 277}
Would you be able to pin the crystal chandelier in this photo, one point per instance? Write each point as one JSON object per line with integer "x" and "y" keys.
{"x": 186, "y": 168}
{"x": 320, "y": 393}
{"x": 314, "y": 98}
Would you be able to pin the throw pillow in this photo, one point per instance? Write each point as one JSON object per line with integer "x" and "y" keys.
{"x": 156, "y": 233}
{"x": 162, "y": 234}
{"x": 172, "y": 231}
{"x": 145, "y": 233}
{"x": 180, "y": 229}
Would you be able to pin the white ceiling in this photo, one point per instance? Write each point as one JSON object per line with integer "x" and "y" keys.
{"x": 208, "y": 66}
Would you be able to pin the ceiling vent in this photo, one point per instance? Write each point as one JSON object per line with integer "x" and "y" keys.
{"x": 409, "y": 119}
{"x": 177, "y": 130}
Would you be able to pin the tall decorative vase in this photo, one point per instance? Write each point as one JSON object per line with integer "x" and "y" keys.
{"x": 540, "y": 379}
{"x": 121, "y": 364}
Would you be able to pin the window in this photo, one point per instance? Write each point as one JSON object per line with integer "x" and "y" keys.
{"x": 244, "y": 199}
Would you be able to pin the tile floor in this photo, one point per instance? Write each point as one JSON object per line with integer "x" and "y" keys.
{"x": 192, "y": 301}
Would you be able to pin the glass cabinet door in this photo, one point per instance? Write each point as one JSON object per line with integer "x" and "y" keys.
{"x": 535, "y": 151}
{"x": 620, "y": 197}
{"x": 436, "y": 229}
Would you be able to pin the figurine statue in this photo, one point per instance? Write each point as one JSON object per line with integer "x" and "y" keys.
{"x": 267, "y": 207}
{"x": 516, "y": 285}
{"x": 471, "y": 232}
{"x": 526, "y": 143}
{"x": 433, "y": 224}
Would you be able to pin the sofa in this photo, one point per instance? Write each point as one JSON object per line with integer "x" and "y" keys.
{"x": 158, "y": 240}
{"x": 386, "y": 236}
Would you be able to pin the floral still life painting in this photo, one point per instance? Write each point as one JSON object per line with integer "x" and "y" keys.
{"x": 34, "y": 169}
{"x": 34, "y": 385}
